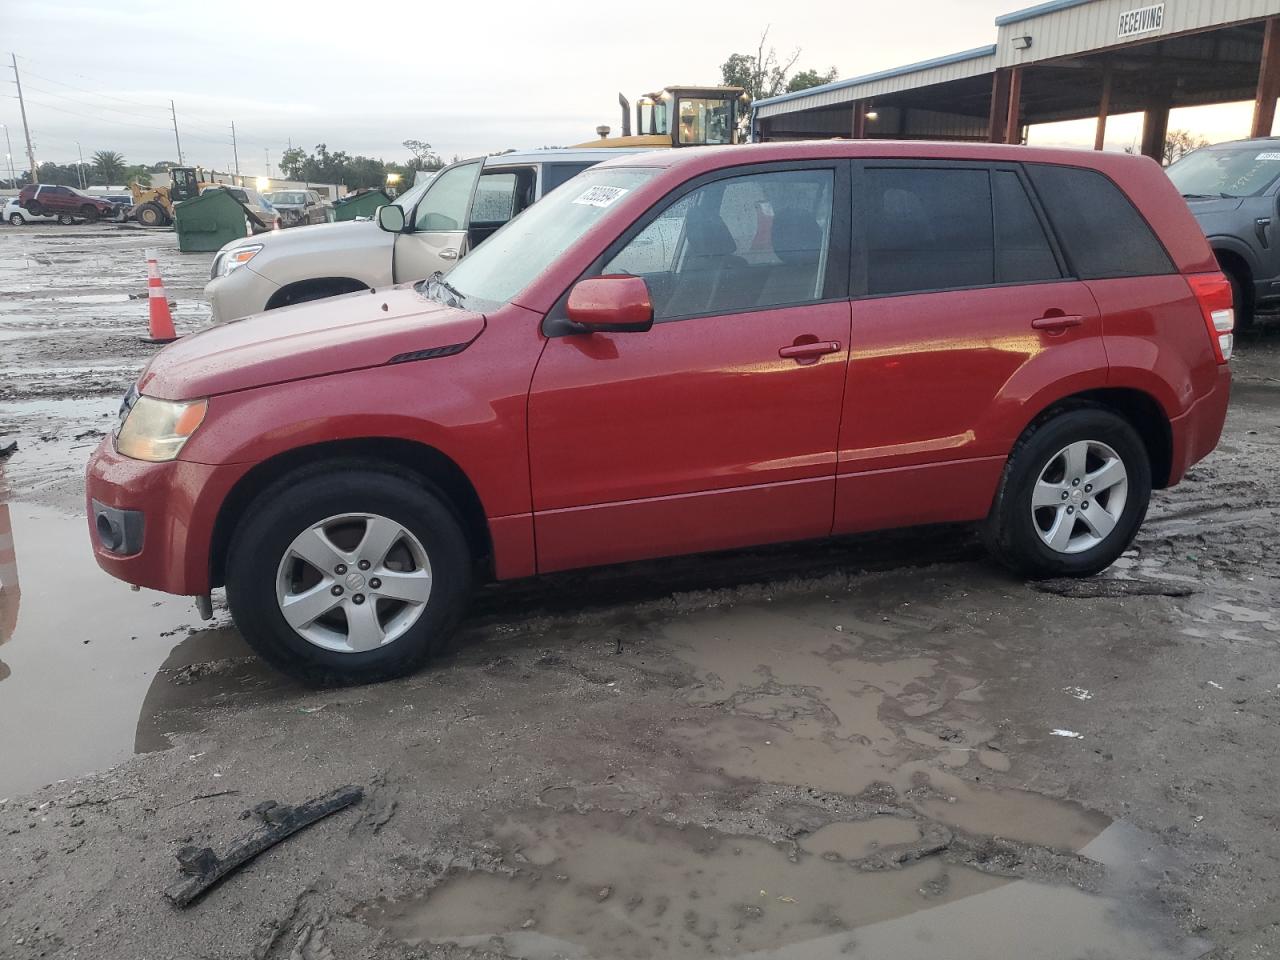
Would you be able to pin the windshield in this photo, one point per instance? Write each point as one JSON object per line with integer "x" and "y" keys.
{"x": 1223, "y": 172}
{"x": 288, "y": 196}
{"x": 511, "y": 258}
{"x": 407, "y": 199}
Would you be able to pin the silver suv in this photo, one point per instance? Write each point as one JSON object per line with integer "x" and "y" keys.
{"x": 442, "y": 220}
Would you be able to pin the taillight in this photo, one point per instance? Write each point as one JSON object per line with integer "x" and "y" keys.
{"x": 1213, "y": 291}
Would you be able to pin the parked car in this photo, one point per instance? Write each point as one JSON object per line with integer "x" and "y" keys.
{"x": 43, "y": 199}
{"x": 255, "y": 203}
{"x": 16, "y": 214}
{"x": 680, "y": 352}
{"x": 1233, "y": 189}
{"x": 441, "y": 220}
{"x": 299, "y": 207}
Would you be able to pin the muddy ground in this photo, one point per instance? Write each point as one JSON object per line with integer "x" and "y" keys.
{"x": 875, "y": 747}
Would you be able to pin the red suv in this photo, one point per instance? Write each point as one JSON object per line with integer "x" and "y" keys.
{"x": 42, "y": 200}
{"x": 678, "y": 352}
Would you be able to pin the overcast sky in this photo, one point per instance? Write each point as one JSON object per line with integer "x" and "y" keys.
{"x": 467, "y": 77}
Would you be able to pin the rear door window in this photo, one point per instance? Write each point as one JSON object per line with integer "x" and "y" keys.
{"x": 1101, "y": 231}
{"x": 554, "y": 174}
{"x": 1023, "y": 251}
{"x": 495, "y": 199}
{"x": 928, "y": 228}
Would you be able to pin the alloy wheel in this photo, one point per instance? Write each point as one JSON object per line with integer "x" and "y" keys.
{"x": 353, "y": 582}
{"x": 1079, "y": 496}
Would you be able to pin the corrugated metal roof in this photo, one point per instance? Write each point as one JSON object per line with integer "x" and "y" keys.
{"x": 1038, "y": 10}
{"x": 817, "y": 94}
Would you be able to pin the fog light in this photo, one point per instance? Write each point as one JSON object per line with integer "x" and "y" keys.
{"x": 108, "y": 535}
{"x": 118, "y": 531}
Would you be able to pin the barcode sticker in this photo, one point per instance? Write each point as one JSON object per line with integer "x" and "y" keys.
{"x": 1273, "y": 155}
{"x": 600, "y": 196}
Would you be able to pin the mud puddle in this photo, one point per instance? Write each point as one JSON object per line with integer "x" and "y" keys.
{"x": 604, "y": 885}
{"x": 91, "y": 671}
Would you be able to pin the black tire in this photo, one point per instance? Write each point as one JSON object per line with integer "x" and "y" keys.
{"x": 66, "y": 219}
{"x": 306, "y": 497}
{"x": 89, "y": 213}
{"x": 151, "y": 215}
{"x": 1241, "y": 302}
{"x": 35, "y": 208}
{"x": 1010, "y": 529}
{"x": 17, "y": 219}
{"x": 316, "y": 290}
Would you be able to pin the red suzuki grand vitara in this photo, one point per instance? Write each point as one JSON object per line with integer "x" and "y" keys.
{"x": 684, "y": 351}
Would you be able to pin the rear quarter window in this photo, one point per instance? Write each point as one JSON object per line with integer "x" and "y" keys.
{"x": 1101, "y": 231}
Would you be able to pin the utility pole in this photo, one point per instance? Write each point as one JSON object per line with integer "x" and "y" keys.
{"x": 80, "y": 169}
{"x": 8, "y": 154}
{"x": 31, "y": 154}
{"x": 174, "y": 113}
{"x": 235, "y": 151}
{"x": 267, "y": 151}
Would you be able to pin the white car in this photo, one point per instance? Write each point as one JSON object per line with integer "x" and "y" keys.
{"x": 17, "y": 215}
{"x": 434, "y": 225}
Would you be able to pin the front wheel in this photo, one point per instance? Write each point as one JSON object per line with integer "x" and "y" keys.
{"x": 17, "y": 219}
{"x": 1074, "y": 492}
{"x": 347, "y": 574}
{"x": 151, "y": 215}
{"x": 89, "y": 213}
{"x": 66, "y": 219}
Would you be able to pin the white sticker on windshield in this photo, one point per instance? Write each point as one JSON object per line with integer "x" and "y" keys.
{"x": 600, "y": 196}
{"x": 1269, "y": 156}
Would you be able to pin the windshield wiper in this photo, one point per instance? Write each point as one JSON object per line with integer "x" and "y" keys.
{"x": 438, "y": 279}
{"x": 1209, "y": 196}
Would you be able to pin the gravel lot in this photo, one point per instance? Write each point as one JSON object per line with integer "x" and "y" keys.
{"x": 874, "y": 747}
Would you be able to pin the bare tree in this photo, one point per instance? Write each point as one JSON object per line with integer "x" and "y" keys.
{"x": 762, "y": 75}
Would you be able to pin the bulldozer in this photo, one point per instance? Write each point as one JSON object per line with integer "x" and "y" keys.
{"x": 153, "y": 206}
{"x": 680, "y": 116}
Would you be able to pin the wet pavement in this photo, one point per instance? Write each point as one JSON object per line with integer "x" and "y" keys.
{"x": 875, "y": 747}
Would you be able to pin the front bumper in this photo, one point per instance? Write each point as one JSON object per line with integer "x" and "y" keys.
{"x": 170, "y": 510}
{"x": 240, "y": 293}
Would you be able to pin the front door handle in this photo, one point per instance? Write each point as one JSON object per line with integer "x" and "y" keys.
{"x": 808, "y": 352}
{"x": 1056, "y": 324}
{"x": 449, "y": 254}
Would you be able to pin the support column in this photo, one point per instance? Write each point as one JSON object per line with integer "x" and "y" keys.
{"x": 1104, "y": 107}
{"x": 859, "y": 119}
{"x": 1264, "y": 104}
{"x": 1013, "y": 117}
{"x": 1155, "y": 126}
{"x": 998, "y": 121}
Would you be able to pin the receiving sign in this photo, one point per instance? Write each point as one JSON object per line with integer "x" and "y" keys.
{"x": 1143, "y": 20}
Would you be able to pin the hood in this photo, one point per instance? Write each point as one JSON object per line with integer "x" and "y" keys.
{"x": 318, "y": 236}
{"x": 1214, "y": 205}
{"x": 350, "y": 332}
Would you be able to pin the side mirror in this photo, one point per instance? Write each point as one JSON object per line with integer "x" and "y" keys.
{"x": 391, "y": 218}
{"x": 618, "y": 304}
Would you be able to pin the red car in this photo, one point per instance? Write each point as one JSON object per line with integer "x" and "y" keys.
{"x": 42, "y": 200}
{"x": 677, "y": 352}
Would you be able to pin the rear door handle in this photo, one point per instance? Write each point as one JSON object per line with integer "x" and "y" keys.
{"x": 1056, "y": 324}
{"x": 808, "y": 351}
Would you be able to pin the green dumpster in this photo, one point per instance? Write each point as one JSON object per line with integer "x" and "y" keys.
{"x": 209, "y": 221}
{"x": 359, "y": 205}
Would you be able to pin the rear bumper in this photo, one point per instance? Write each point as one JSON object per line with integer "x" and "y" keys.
{"x": 1196, "y": 432}
{"x": 172, "y": 508}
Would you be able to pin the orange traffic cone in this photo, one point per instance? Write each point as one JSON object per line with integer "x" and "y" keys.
{"x": 161, "y": 320}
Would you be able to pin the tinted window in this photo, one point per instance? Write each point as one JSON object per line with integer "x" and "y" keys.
{"x": 554, "y": 174}
{"x": 1103, "y": 234}
{"x": 495, "y": 198}
{"x": 1023, "y": 253}
{"x": 445, "y": 205}
{"x": 737, "y": 244}
{"x": 928, "y": 229}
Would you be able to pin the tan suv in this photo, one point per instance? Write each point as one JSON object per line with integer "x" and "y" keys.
{"x": 426, "y": 230}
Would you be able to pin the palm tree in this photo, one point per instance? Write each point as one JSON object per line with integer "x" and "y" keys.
{"x": 110, "y": 166}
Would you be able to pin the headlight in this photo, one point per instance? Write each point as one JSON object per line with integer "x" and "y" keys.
{"x": 237, "y": 257}
{"x": 156, "y": 430}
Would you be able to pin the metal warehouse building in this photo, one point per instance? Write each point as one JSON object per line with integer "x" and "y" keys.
{"x": 1061, "y": 60}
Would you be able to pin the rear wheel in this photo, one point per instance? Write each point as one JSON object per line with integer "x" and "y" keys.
{"x": 89, "y": 212}
{"x": 1074, "y": 492}
{"x": 36, "y": 208}
{"x": 151, "y": 215}
{"x": 17, "y": 219}
{"x": 347, "y": 574}
{"x": 66, "y": 219}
